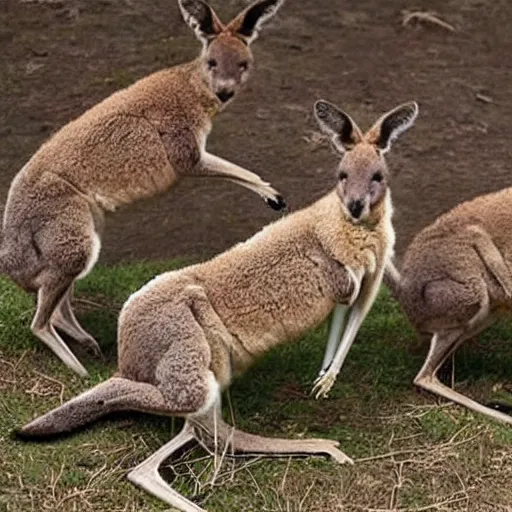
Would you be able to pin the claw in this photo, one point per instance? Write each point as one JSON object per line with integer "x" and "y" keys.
{"x": 276, "y": 204}
{"x": 323, "y": 385}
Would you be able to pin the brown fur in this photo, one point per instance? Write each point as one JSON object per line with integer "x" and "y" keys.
{"x": 220, "y": 315}
{"x": 135, "y": 144}
{"x": 456, "y": 277}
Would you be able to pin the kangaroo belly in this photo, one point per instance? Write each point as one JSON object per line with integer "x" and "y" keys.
{"x": 262, "y": 307}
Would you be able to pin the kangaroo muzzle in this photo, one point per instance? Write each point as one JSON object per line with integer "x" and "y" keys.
{"x": 356, "y": 208}
{"x": 225, "y": 95}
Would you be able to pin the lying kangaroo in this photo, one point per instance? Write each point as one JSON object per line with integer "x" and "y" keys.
{"x": 185, "y": 334}
{"x": 455, "y": 280}
{"x": 134, "y": 144}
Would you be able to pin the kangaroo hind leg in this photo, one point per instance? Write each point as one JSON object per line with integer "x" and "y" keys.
{"x": 69, "y": 247}
{"x": 211, "y": 426}
{"x": 447, "y": 339}
{"x": 185, "y": 380}
{"x": 49, "y": 296}
{"x": 64, "y": 319}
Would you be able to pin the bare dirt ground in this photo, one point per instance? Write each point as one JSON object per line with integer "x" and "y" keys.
{"x": 58, "y": 57}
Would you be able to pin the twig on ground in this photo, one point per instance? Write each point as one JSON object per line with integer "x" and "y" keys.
{"x": 425, "y": 16}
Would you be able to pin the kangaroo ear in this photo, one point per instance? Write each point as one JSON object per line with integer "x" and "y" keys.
{"x": 391, "y": 125}
{"x": 201, "y": 18}
{"x": 344, "y": 132}
{"x": 248, "y": 23}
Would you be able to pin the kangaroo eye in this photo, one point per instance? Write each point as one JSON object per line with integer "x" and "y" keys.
{"x": 243, "y": 65}
{"x": 212, "y": 63}
{"x": 377, "y": 177}
{"x": 342, "y": 176}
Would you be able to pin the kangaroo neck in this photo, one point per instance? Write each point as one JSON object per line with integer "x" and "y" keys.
{"x": 199, "y": 83}
{"x": 356, "y": 245}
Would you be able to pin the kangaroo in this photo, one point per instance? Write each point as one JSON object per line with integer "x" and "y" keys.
{"x": 135, "y": 144}
{"x": 185, "y": 334}
{"x": 455, "y": 280}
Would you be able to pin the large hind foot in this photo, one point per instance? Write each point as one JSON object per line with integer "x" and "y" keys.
{"x": 442, "y": 345}
{"x": 64, "y": 319}
{"x": 147, "y": 477}
{"x": 48, "y": 297}
{"x": 52, "y": 340}
{"x": 239, "y": 441}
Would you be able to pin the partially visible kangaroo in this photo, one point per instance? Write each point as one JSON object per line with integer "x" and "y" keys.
{"x": 185, "y": 334}
{"x": 135, "y": 144}
{"x": 456, "y": 278}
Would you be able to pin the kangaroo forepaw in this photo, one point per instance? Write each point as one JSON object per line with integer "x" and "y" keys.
{"x": 323, "y": 385}
{"x": 277, "y": 203}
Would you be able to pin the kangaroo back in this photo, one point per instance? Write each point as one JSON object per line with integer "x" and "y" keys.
{"x": 114, "y": 395}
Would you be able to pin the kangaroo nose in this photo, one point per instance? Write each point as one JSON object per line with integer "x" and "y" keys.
{"x": 225, "y": 95}
{"x": 356, "y": 208}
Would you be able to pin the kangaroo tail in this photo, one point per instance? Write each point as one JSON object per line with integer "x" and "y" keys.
{"x": 114, "y": 395}
{"x": 393, "y": 279}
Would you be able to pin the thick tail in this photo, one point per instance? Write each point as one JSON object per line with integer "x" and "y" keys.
{"x": 114, "y": 395}
{"x": 392, "y": 279}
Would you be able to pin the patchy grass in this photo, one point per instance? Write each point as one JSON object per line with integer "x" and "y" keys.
{"x": 412, "y": 453}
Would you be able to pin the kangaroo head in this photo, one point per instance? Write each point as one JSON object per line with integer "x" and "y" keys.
{"x": 227, "y": 58}
{"x": 363, "y": 175}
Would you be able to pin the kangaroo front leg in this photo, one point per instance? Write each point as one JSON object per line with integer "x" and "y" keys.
{"x": 356, "y": 317}
{"x": 335, "y": 331}
{"x": 212, "y": 165}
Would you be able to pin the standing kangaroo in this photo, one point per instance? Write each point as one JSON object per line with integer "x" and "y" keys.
{"x": 185, "y": 334}
{"x": 456, "y": 278}
{"x": 133, "y": 145}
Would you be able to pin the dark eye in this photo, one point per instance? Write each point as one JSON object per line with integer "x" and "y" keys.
{"x": 243, "y": 65}
{"x": 342, "y": 176}
{"x": 212, "y": 63}
{"x": 377, "y": 177}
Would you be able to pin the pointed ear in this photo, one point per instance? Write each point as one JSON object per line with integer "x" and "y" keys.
{"x": 201, "y": 18}
{"x": 344, "y": 132}
{"x": 248, "y": 23}
{"x": 391, "y": 125}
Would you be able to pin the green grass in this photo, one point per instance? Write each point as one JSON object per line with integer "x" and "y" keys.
{"x": 442, "y": 453}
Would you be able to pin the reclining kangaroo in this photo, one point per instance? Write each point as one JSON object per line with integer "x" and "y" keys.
{"x": 456, "y": 278}
{"x": 185, "y": 334}
{"x": 133, "y": 145}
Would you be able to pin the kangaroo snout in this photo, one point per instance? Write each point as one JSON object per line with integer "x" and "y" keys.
{"x": 225, "y": 95}
{"x": 356, "y": 208}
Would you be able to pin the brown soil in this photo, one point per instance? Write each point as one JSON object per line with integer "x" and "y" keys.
{"x": 59, "y": 57}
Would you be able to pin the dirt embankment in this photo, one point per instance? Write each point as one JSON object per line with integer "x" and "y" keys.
{"x": 60, "y": 57}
